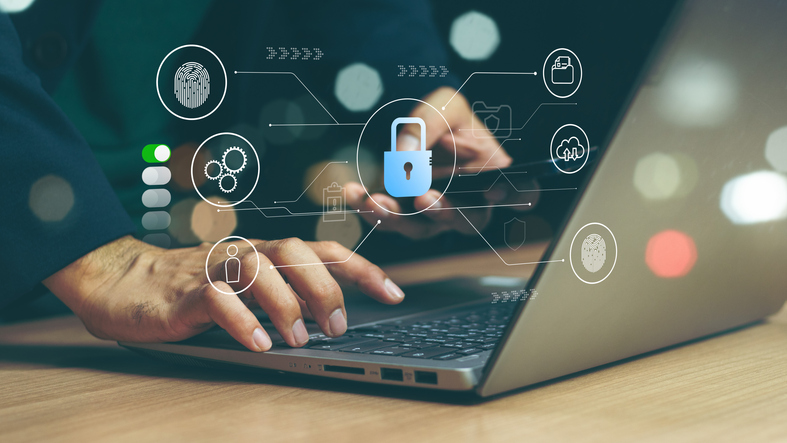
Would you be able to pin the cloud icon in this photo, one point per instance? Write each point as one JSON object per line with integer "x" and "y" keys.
{"x": 570, "y": 149}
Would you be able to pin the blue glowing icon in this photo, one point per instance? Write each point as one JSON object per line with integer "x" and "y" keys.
{"x": 407, "y": 173}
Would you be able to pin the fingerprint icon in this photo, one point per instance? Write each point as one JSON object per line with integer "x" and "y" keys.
{"x": 594, "y": 252}
{"x": 192, "y": 85}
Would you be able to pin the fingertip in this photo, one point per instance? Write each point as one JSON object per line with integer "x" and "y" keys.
{"x": 261, "y": 340}
{"x": 395, "y": 293}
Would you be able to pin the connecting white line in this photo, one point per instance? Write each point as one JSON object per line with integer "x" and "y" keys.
{"x": 480, "y": 206}
{"x": 501, "y": 258}
{"x": 271, "y": 125}
{"x": 299, "y": 80}
{"x": 289, "y": 213}
{"x": 310, "y": 184}
{"x": 332, "y": 262}
{"x": 490, "y": 157}
{"x": 486, "y": 73}
{"x": 527, "y": 121}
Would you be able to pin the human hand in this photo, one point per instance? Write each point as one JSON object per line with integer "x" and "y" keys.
{"x": 471, "y": 152}
{"x": 131, "y": 291}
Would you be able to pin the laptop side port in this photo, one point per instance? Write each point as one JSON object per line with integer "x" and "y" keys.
{"x": 391, "y": 374}
{"x": 429, "y": 378}
{"x": 343, "y": 369}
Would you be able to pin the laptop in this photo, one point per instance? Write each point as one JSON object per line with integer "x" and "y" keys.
{"x": 678, "y": 233}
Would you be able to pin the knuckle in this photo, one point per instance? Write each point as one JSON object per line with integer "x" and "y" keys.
{"x": 326, "y": 290}
{"x": 332, "y": 247}
{"x": 286, "y": 246}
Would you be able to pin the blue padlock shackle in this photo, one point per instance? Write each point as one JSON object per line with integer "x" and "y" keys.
{"x": 403, "y": 121}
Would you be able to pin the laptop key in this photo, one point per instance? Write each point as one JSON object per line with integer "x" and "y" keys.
{"x": 364, "y": 347}
{"x": 393, "y": 350}
{"x": 450, "y": 356}
{"x": 469, "y": 351}
{"x": 333, "y": 344}
{"x": 428, "y": 353}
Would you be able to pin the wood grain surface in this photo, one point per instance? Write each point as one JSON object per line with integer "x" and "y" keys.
{"x": 61, "y": 384}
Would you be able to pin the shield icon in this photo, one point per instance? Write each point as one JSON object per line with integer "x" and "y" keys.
{"x": 492, "y": 123}
{"x": 514, "y": 233}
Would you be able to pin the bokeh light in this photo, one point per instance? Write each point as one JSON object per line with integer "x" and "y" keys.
{"x": 281, "y": 111}
{"x": 657, "y": 176}
{"x": 12, "y": 6}
{"x": 180, "y": 227}
{"x": 756, "y": 197}
{"x": 671, "y": 254}
{"x": 474, "y": 36}
{"x": 51, "y": 198}
{"x": 339, "y": 173}
{"x": 180, "y": 165}
{"x": 358, "y": 87}
{"x": 697, "y": 92}
{"x": 347, "y": 232}
{"x": 776, "y": 149}
{"x": 371, "y": 169}
{"x": 210, "y": 224}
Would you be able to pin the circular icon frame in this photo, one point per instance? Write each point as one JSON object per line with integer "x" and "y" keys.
{"x": 358, "y": 163}
{"x": 207, "y": 260}
{"x": 571, "y": 253}
{"x": 544, "y": 73}
{"x": 552, "y": 148}
{"x": 256, "y": 180}
{"x": 158, "y": 89}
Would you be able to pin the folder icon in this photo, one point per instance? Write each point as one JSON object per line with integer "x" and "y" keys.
{"x": 562, "y": 71}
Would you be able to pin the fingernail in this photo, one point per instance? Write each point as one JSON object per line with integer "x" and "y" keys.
{"x": 261, "y": 339}
{"x": 408, "y": 142}
{"x": 299, "y": 332}
{"x": 337, "y": 323}
{"x": 393, "y": 290}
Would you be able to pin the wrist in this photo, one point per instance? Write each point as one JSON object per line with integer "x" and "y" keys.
{"x": 75, "y": 283}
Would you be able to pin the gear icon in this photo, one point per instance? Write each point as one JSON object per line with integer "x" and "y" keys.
{"x": 217, "y": 176}
{"x": 234, "y": 183}
{"x": 224, "y": 159}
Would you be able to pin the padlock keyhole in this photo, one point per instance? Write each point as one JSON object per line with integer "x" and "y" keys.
{"x": 407, "y": 168}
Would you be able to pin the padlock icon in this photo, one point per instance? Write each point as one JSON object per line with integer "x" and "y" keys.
{"x": 407, "y": 173}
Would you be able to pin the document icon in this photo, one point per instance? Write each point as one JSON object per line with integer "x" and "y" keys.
{"x": 562, "y": 71}
{"x": 497, "y": 120}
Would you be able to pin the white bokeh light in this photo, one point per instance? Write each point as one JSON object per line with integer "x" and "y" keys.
{"x": 776, "y": 149}
{"x": 474, "y": 36}
{"x": 657, "y": 176}
{"x": 756, "y": 197}
{"x": 51, "y": 198}
{"x": 697, "y": 92}
{"x": 12, "y": 6}
{"x": 358, "y": 87}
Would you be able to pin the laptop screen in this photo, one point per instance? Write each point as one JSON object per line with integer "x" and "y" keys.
{"x": 680, "y": 231}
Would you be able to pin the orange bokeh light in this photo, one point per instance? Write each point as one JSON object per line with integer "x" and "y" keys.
{"x": 671, "y": 254}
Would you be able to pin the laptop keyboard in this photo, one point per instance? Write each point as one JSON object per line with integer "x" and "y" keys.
{"x": 447, "y": 337}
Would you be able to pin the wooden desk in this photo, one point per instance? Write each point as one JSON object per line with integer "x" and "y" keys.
{"x": 59, "y": 383}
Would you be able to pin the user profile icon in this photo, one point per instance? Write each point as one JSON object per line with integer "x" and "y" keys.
{"x": 224, "y": 263}
{"x": 593, "y": 253}
{"x": 191, "y": 82}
